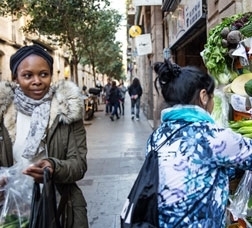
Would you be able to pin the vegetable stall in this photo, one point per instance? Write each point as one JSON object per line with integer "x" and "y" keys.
{"x": 227, "y": 55}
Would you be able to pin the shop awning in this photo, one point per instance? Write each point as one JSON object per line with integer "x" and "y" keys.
{"x": 170, "y": 5}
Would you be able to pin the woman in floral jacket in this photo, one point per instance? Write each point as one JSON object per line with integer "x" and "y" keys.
{"x": 194, "y": 163}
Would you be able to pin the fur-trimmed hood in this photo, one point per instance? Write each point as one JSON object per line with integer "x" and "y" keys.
{"x": 67, "y": 104}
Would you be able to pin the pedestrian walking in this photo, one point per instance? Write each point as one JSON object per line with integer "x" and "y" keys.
{"x": 114, "y": 99}
{"x": 106, "y": 90}
{"x": 123, "y": 90}
{"x": 42, "y": 126}
{"x": 135, "y": 91}
{"x": 195, "y": 162}
{"x": 98, "y": 85}
{"x": 117, "y": 155}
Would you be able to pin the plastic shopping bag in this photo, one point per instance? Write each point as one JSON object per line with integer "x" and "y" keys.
{"x": 241, "y": 202}
{"x": 15, "y": 209}
{"x": 44, "y": 212}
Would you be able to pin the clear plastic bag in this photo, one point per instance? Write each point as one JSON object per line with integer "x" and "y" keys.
{"x": 241, "y": 202}
{"x": 15, "y": 209}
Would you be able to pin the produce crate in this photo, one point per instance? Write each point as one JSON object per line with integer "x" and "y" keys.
{"x": 241, "y": 115}
{"x": 233, "y": 184}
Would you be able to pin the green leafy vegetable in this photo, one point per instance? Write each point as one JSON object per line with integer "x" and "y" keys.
{"x": 214, "y": 54}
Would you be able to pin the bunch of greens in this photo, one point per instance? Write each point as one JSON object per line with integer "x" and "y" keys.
{"x": 13, "y": 221}
{"x": 215, "y": 55}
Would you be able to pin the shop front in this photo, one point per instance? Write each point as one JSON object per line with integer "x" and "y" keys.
{"x": 186, "y": 31}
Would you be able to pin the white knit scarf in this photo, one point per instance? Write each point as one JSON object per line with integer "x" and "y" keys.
{"x": 39, "y": 110}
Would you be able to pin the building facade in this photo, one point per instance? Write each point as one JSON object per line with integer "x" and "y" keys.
{"x": 179, "y": 30}
{"x": 12, "y": 38}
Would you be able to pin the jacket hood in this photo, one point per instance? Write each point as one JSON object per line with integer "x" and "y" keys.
{"x": 6, "y": 95}
{"x": 67, "y": 104}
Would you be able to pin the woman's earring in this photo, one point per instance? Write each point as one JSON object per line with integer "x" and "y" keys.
{"x": 205, "y": 105}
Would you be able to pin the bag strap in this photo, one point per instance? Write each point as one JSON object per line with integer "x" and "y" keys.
{"x": 61, "y": 207}
{"x": 1, "y": 126}
{"x": 168, "y": 138}
{"x": 49, "y": 191}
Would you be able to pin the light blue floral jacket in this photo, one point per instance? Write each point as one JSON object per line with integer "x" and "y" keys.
{"x": 193, "y": 167}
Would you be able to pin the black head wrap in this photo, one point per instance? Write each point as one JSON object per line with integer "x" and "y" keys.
{"x": 25, "y": 51}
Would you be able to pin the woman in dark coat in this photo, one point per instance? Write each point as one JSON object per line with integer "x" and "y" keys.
{"x": 114, "y": 100}
{"x": 41, "y": 126}
{"x": 135, "y": 91}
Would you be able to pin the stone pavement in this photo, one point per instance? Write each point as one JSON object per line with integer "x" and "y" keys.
{"x": 116, "y": 152}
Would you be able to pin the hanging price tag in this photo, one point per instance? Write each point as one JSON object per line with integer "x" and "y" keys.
{"x": 240, "y": 103}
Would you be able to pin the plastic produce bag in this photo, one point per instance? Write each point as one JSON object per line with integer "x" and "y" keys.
{"x": 220, "y": 111}
{"x": 241, "y": 202}
{"x": 15, "y": 209}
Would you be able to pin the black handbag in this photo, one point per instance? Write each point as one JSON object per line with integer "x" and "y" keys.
{"x": 141, "y": 207}
{"x": 44, "y": 205}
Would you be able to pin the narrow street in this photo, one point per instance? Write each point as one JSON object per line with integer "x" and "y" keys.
{"x": 116, "y": 152}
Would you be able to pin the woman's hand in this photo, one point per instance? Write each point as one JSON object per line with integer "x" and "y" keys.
{"x": 36, "y": 170}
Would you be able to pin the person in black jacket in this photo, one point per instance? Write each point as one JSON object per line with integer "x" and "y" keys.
{"x": 135, "y": 92}
{"x": 114, "y": 99}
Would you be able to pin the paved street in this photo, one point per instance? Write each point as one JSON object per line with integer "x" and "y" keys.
{"x": 115, "y": 154}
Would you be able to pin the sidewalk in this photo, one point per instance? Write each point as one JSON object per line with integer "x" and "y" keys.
{"x": 116, "y": 152}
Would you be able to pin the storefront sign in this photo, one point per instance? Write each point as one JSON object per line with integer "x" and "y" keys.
{"x": 135, "y": 30}
{"x": 143, "y": 44}
{"x": 183, "y": 18}
{"x": 147, "y": 2}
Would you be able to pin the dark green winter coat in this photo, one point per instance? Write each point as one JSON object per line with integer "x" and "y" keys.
{"x": 66, "y": 143}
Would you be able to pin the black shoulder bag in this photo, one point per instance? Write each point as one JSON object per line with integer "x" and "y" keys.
{"x": 141, "y": 207}
{"x": 44, "y": 205}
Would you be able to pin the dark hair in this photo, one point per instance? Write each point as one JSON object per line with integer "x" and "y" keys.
{"x": 113, "y": 83}
{"x": 84, "y": 88}
{"x": 135, "y": 82}
{"x": 182, "y": 85}
{"x": 24, "y": 52}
